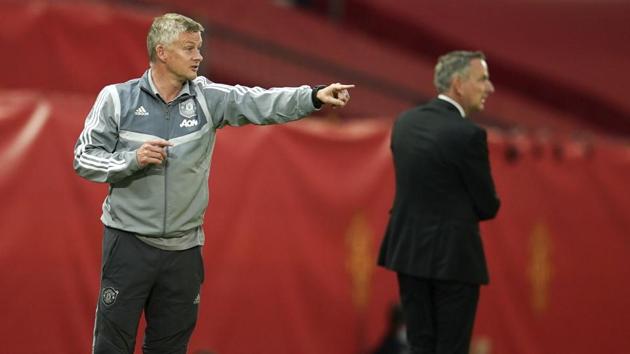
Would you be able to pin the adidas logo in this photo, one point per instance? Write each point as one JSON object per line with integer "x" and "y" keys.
{"x": 141, "y": 111}
{"x": 197, "y": 300}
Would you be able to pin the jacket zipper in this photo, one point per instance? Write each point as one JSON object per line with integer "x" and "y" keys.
{"x": 168, "y": 134}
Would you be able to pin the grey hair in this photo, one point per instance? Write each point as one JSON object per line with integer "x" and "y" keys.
{"x": 451, "y": 64}
{"x": 166, "y": 28}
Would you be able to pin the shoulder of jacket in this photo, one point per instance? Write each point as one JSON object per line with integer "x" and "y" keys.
{"x": 125, "y": 87}
{"x": 465, "y": 127}
{"x": 108, "y": 94}
{"x": 206, "y": 85}
{"x": 201, "y": 82}
{"x": 473, "y": 127}
{"x": 470, "y": 133}
{"x": 120, "y": 96}
{"x": 412, "y": 112}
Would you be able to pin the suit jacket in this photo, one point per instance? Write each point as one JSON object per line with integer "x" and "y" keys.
{"x": 443, "y": 189}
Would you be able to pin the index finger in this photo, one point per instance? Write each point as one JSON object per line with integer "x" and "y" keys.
{"x": 343, "y": 86}
{"x": 160, "y": 143}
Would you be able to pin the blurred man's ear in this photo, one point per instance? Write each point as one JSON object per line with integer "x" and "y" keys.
{"x": 160, "y": 51}
{"x": 456, "y": 84}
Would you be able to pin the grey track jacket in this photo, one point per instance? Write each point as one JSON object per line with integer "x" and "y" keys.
{"x": 169, "y": 200}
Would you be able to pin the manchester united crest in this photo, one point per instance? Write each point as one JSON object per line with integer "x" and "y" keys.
{"x": 109, "y": 296}
{"x": 187, "y": 108}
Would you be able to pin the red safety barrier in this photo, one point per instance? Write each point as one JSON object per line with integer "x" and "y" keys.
{"x": 295, "y": 220}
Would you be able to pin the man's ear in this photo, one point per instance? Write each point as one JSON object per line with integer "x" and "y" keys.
{"x": 160, "y": 51}
{"x": 456, "y": 84}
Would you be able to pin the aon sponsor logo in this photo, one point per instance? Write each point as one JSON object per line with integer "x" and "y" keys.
{"x": 188, "y": 123}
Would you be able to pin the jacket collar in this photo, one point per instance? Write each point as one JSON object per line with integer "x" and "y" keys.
{"x": 453, "y": 103}
{"x": 146, "y": 83}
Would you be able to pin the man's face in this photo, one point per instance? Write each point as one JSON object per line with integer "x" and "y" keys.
{"x": 183, "y": 56}
{"x": 475, "y": 87}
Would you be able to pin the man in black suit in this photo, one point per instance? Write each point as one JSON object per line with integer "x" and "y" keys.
{"x": 444, "y": 188}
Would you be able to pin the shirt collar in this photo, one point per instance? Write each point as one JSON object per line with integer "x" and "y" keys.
{"x": 185, "y": 89}
{"x": 454, "y": 103}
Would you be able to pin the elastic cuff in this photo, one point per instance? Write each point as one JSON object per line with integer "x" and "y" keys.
{"x": 317, "y": 103}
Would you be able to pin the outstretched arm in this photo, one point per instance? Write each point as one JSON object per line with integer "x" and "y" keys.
{"x": 238, "y": 105}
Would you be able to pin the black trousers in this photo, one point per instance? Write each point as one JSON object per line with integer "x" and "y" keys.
{"x": 136, "y": 277}
{"x": 439, "y": 314}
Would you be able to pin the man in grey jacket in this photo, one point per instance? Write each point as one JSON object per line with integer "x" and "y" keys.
{"x": 151, "y": 139}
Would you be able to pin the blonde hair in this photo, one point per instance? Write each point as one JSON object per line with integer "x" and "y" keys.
{"x": 166, "y": 28}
